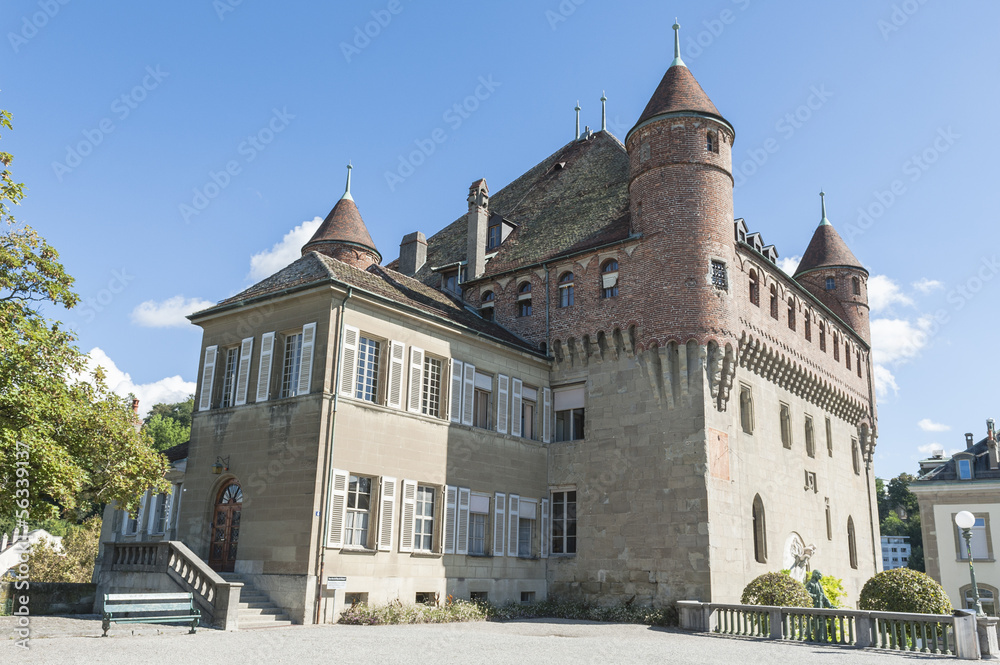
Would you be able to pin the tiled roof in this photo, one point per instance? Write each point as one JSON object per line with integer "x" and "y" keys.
{"x": 178, "y": 452}
{"x": 827, "y": 249}
{"x": 980, "y": 466}
{"x": 343, "y": 224}
{"x": 316, "y": 268}
{"x": 574, "y": 199}
{"x": 678, "y": 91}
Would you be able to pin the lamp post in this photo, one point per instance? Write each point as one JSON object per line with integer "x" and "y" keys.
{"x": 965, "y": 521}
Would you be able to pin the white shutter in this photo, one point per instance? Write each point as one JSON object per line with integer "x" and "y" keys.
{"x": 243, "y": 379}
{"x": 513, "y": 514}
{"x": 409, "y": 507}
{"x": 264, "y": 366}
{"x": 305, "y": 366}
{"x": 464, "y": 498}
{"x": 450, "y": 494}
{"x": 499, "y": 504}
{"x": 546, "y": 415}
{"x": 544, "y": 533}
{"x": 168, "y": 509}
{"x": 469, "y": 394}
{"x": 394, "y": 395}
{"x": 455, "y": 398}
{"x": 338, "y": 509}
{"x": 515, "y": 407}
{"x": 387, "y": 514}
{"x": 208, "y": 378}
{"x": 416, "y": 379}
{"x": 503, "y": 411}
{"x": 349, "y": 360}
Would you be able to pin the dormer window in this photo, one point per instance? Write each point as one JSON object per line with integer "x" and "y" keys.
{"x": 452, "y": 279}
{"x": 494, "y": 233}
{"x": 831, "y": 283}
{"x": 965, "y": 469}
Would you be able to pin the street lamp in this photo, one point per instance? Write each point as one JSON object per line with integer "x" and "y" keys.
{"x": 965, "y": 521}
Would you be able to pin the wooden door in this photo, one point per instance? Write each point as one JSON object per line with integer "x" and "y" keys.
{"x": 226, "y": 529}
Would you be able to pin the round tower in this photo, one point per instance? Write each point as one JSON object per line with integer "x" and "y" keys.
{"x": 343, "y": 234}
{"x": 681, "y": 198}
{"x": 831, "y": 272}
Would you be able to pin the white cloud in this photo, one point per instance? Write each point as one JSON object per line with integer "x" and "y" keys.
{"x": 926, "y": 286}
{"x": 168, "y": 390}
{"x": 885, "y": 382}
{"x": 930, "y": 448}
{"x": 266, "y": 263}
{"x": 789, "y": 264}
{"x": 929, "y": 425}
{"x": 883, "y": 293}
{"x": 171, "y": 313}
{"x": 898, "y": 340}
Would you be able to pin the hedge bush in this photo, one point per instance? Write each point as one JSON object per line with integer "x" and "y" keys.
{"x": 776, "y": 589}
{"x": 904, "y": 590}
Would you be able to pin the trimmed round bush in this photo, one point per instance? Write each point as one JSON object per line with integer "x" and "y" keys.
{"x": 776, "y": 589}
{"x": 904, "y": 590}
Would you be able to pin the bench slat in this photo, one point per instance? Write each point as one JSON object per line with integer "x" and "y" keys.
{"x": 146, "y": 596}
{"x": 157, "y": 607}
{"x": 181, "y": 619}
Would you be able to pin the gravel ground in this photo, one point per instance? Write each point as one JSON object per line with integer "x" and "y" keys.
{"x": 77, "y": 640}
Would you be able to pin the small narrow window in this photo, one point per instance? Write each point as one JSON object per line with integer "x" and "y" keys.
{"x": 822, "y": 338}
{"x": 746, "y": 409}
{"x": 852, "y": 544}
{"x": 829, "y": 438}
{"x": 754, "y": 288}
{"x": 856, "y": 286}
{"x": 847, "y": 354}
{"x": 566, "y": 290}
{"x": 609, "y": 279}
{"x": 774, "y": 302}
{"x": 807, "y": 324}
{"x": 712, "y": 142}
{"x": 786, "y": 426}
{"x": 759, "y": 531}
{"x": 719, "y": 277}
{"x": 810, "y": 438}
{"x": 494, "y": 234}
{"x": 423, "y": 522}
{"x": 229, "y": 383}
{"x": 856, "y": 457}
{"x": 831, "y": 283}
{"x": 836, "y": 347}
{"x": 829, "y": 521}
{"x": 791, "y": 314}
{"x": 524, "y": 299}
{"x": 564, "y": 522}
{"x": 487, "y": 301}
{"x": 857, "y": 357}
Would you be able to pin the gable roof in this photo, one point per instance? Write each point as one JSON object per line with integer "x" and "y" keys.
{"x": 980, "y": 466}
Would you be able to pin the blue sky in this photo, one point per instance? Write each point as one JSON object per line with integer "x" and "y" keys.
{"x": 175, "y": 153}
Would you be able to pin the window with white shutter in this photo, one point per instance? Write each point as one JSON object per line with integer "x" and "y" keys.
{"x": 306, "y": 360}
{"x": 455, "y": 398}
{"x": 243, "y": 380}
{"x": 208, "y": 378}
{"x": 409, "y": 506}
{"x": 544, "y": 535}
{"x": 387, "y": 514}
{"x": 468, "y": 394}
{"x": 503, "y": 412}
{"x": 348, "y": 360}
{"x": 264, "y": 366}
{"x": 338, "y": 509}
{"x": 450, "y": 499}
{"x": 546, "y": 415}
{"x": 515, "y": 407}
{"x": 417, "y": 379}
{"x": 513, "y": 516}
{"x": 394, "y": 395}
{"x": 462, "y": 530}
{"x": 499, "y": 506}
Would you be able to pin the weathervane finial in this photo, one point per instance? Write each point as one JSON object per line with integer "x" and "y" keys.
{"x": 822, "y": 198}
{"x": 577, "y": 119}
{"x": 677, "y": 46}
{"x": 347, "y": 190}
{"x": 604, "y": 111}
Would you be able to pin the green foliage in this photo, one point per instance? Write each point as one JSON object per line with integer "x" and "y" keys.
{"x": 463, "y": 610}
{"x": 833, "y": 587}
{"x": 167, "y": 432}
{"x": 66, "y": 441}
{"x": 179, "y": 412}
{"x": 899, "y": 515}
{"x": 776, "y": 589}
{"x": 904, "y": 590}
{"x": 74, "y": 562}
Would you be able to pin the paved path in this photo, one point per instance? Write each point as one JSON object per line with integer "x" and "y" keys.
{"x": 544, "y": 641}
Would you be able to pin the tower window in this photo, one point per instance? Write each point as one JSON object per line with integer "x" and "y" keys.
{"x": 754, "y": 288}
{"x": 831, "y": 283}
{"x": 791, "y": 314}
{"x": 774, "y": 302}
{"x": 719, "y": 278}
{"x": 836, "y": 347}
{"x": 566, "y": 290}
{"x": 609, "y": 279}
{"x": 524, "y": 299}
{"x": 807, "y": 324}
{"x": 858, "y": 358}
{"x": 847, "y": 354}
{"x": 856, "y": 286}
{"x": 712, "y": 143}
{"x": 822, "y": 338}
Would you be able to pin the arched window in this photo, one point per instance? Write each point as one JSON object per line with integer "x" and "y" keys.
{"x": 712, "y": 143}
{"x": 754, "y": 288}
{"x": 987, "y": 598}
{"x": 836, "y": 347}
{"x": 829, "y": 521}
{"x": 566, "y": 290}
{"x": 857, "y": 357}
{"x": 759, "y": 531}
{"x": 852, "y": 543}
{"x": 856, "y": 457}
{"x": 847, "y": 353}
{"x": 822, "y": 337}
{"x": 524, "y": 299}
{"x": 807, "y": 324}
{"x": 609, "y": 278}
{"x": 774, "y": 302}
{"x": 746, "y": 409}
{"x": 791, "y": 314}
{"x": 856, "y": 286}
{"x": 487, "y": 301}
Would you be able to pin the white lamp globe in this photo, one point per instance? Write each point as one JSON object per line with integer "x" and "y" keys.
{"x": 965, "y": 520}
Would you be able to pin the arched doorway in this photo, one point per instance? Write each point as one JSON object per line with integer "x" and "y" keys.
{"x": 226, "y": 528}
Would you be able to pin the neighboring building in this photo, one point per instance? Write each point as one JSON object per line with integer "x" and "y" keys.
{"x": 895, "y": 552}
{"x": 19, "y": 542}
{"x": 594, "y": 384}
{"x": 969, "y": 480}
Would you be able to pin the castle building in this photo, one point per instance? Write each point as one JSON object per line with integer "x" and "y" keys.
{"x": 595, "y": 384}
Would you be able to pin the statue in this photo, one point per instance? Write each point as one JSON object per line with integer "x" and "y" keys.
{"x": 815, "y": 589}
{"x": 797, "y": 557}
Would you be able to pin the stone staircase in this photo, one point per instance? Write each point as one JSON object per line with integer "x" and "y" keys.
{"x": 256, "y": 610}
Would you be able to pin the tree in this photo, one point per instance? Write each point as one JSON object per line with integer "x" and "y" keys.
{"x": 66, "y": 441}
{"x": 899, "y": 515}
{"x": 178, "y": 411}
{"x": 74, "y": 561}
{"x": 170, "y": 424}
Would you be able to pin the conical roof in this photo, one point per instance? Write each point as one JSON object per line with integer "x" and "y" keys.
{"x": 827, "y": 250}
{"x": 343, "y": 225}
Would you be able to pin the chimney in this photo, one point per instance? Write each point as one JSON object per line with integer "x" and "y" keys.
{"x": 135, "y": 405}
{"x": 479, "y": 214}
{"x": 968, "y": 440}
{"x": 991, "y": 430}
{"x": 412, "y": 253}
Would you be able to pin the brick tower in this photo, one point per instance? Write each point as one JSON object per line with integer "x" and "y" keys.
{"x": 343, "y": 234}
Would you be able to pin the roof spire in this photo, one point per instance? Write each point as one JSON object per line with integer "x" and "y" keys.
{"x": 824, "y": 221}
{"x": 677, "y": 62}
{"x": 604, "y": 111}
{"x": 347, "y": 191}
{"x": 577, "y": 136}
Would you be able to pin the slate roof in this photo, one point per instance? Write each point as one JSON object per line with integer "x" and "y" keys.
{"x": 342, "y": 225}
{"x": 679, "y": 91}
{"x": 574, "y": 199}
{"x": 980, "y": 466}
{"x": 315, "y": 269}
{"x": 178, "y": 452}
{"x": 826, "y": 250}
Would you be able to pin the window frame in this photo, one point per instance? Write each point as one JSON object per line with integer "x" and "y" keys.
{"x": 961, "y": 555}
{"x": 746, "y": 409}
{"x": 566, "y": 285}
{"x": 754, "y": 288}
{"x": 420, "y": 522}
{"x": 427, "y": 387}
{"x": 856, "y": 456}
{"x": 566, "y": 540}
{"x": 351, "y": 514}
{"x": 719, "y": 273}
{"x": 524, "y": 299}
{"x": 810, "y": 434}
{"x": 785, "y": 420}
{"x": 369, "y": 393}
{"x": 852, "y": 543}
{"x": 831, "y": 284}
{"x": 607, "y": 269}
{"x": 230, "y": 377}
{"x": 291, "y": 363}
{"x": 758, "y": 523}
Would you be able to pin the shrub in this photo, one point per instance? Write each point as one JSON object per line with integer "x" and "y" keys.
{"x": 776, "y": 589}
{"x": 904, "y": 590}
{"x": 833, "y": 587}
{"x": 74, "y": 562}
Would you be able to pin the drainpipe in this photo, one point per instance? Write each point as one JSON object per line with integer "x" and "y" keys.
{"x": 329, "y": 455}
{"x": 871, "y": 520}
{"x": 548, "y": 340}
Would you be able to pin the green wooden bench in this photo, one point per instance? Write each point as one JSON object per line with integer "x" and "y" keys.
{"x": 150, "y": 608}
